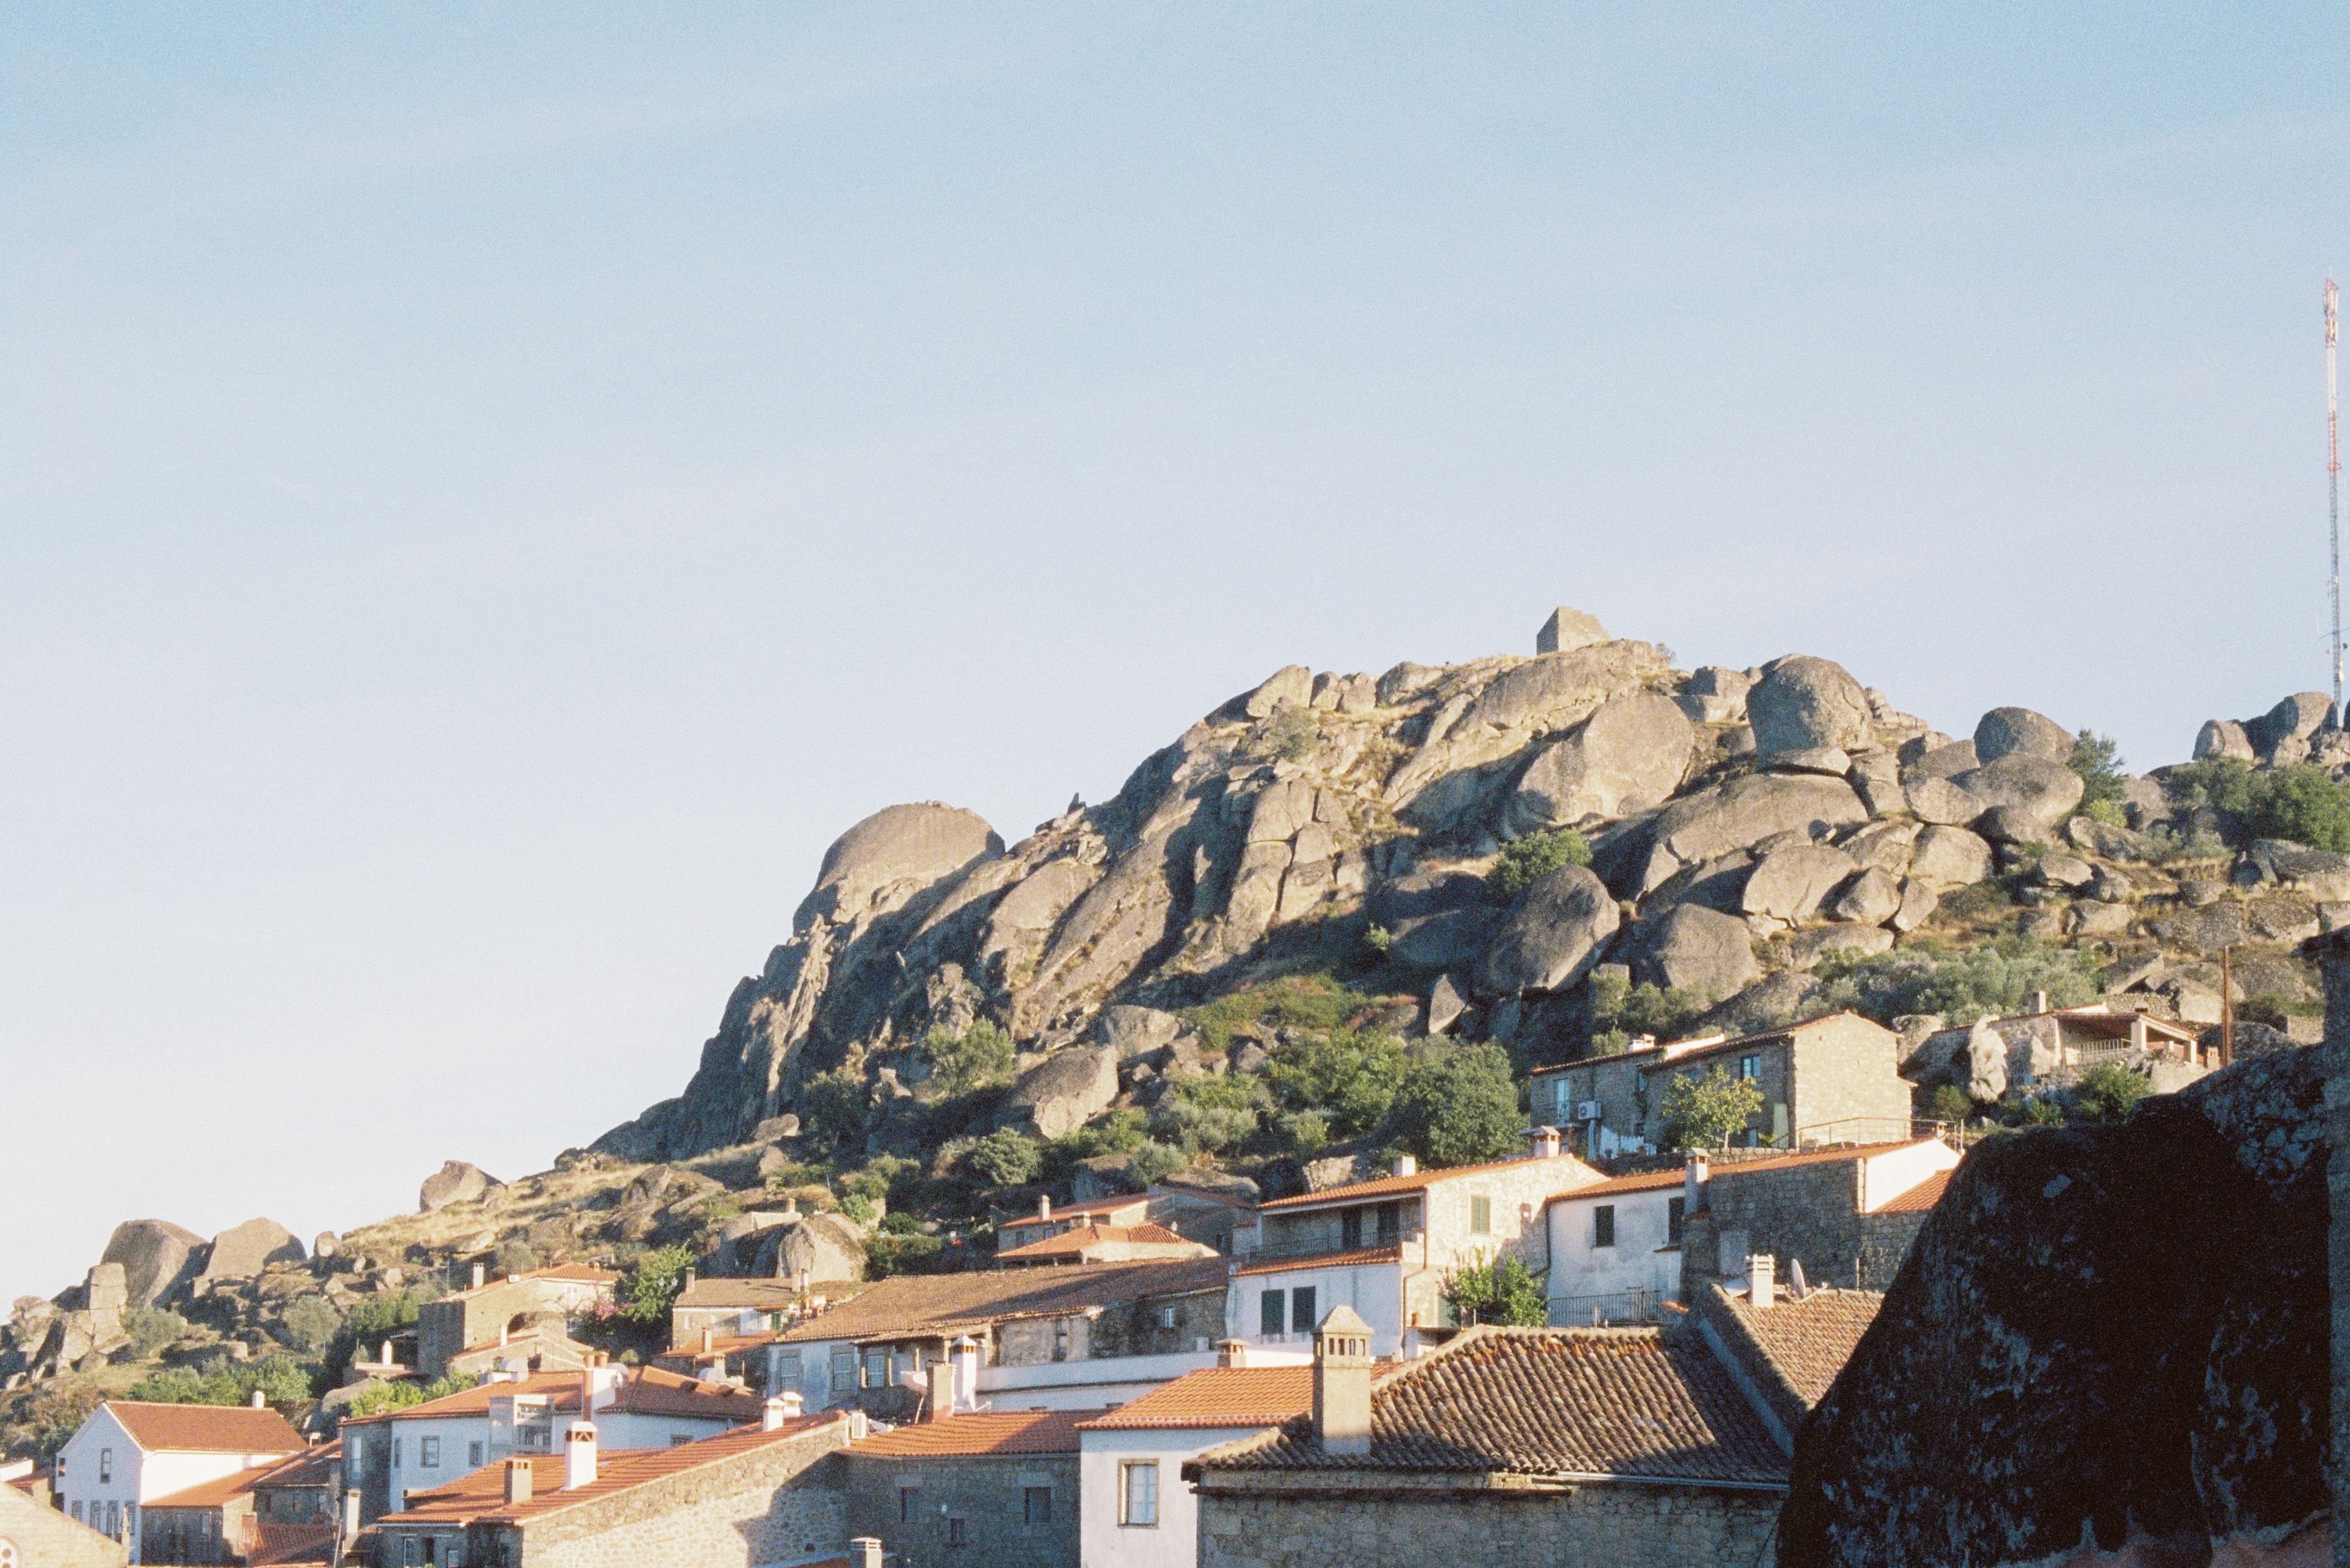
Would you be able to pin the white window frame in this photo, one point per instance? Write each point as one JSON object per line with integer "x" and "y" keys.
{"x": 427, "y": 1453}
{"x": 1127, "y": 1470}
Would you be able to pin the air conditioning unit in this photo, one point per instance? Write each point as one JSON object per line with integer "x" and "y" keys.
{"x": 1587, "y": 1111}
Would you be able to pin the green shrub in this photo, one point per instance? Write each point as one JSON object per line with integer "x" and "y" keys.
{"x": 1457, "y": 1108}
{"x": 310, "y": 1324}
{"x": 280, "y": 1379}
{"x": 891, "y": 1253}
{"x": 2039, "y": 1111}
{"x": 366, "y": 1326}
{"x": 514, "y": 1256}
{"x": 1299, "y": 1003}
{"x": 1706, "y": 1112}
{"x": 1611, "y": 1043}
{"x": 1644, "y": 1009}
{"x": 1349, "y": 1076}
{"x": 2109, "y": 1092}
{"x": 1526, "y": 860}
{"x": 980, "y": 1057}
{"x": 2104, "y": 781}
{"x": 152, "y": 1328}
{"x": 1498, "y": 1290}
{"x": 645, "y": 1290}
{"x": 1379, "y": 938}
{"x": 1152, "y": 1163}
{"x": 1214, "y": 1113}
{"x": 898, "y": 1223}
{"x": 1948, "y": 1103}
{"x": 377, "y": 1397}
{"x": 2304, "y": 804}
{"x": 1997, "y": 979}
{"x": 1292, "y": 735}
{"x": 1305, "y": 1133}
{"x": 1005, "y": 1159}
{"x": 833, "y": 1108}
{"x": 859, "y": 1207}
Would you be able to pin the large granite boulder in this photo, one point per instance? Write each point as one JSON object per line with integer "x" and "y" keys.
{"x": 2116, "y": 1335}
{"x": 1628, "y": 756}
{"x": 156, "y": 1258}
{"x": 1291, "y": 686}
{"x": 1788, "y": 885}
{"x": 2038, "y": 794}
{"x": 1805, "y": 705}
{"x": 2019, "y": 732}
{"x": 898, "y": 850}
{"x": 1695, "y": 949}
{"x": 1440, "y": 918}
{"x": 1551, "y": 937}
{"x": 1131, "y": 1031}
{"x": 1950, "y": 857}
{"x": 2297, "y": 718}
{"x": 1736, "y": 815}
{"x": 2225, "y": 739}
{"x": 242, "y": 1251}
{"x": 455, "y": 1182}
{"x": 1062, "y": 1093}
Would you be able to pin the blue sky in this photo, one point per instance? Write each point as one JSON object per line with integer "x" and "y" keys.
{"x": 486, "y": 496}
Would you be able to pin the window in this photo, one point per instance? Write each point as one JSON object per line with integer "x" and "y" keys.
{"x": 1390, "y": 1224}
{"x": 130, "y": 1521}
{"x": 909, "y": 1504}
{"x": 958, "y": 1533}
{"x": 1270, "y": 1320}
{"x": 1350, "y": 1228}
{"x": 788, "y": 1369}
{"x": 1036, "y": 1505}
{"x": 1481, "y": 1216}
{"x": 1301, "y": 1316}
{"x": 877, "y": 1368}
{"x": 452, "y": 1553}
{"x": 431, "y": 1543}
{"x": 1603, "y": 1225}
{"x": 77, "y": 1513}
{"x": 395, "y": 1452}
{"x": 1750, "y": 1066}
{"x": 408, "y": 1551}
{"x": 844, "y": 1370}
{"x": 678, "y": 1440}
{"x": 427, "y": 1453}
{"x": 1138, "y": 1493}
{"x": 1675, "y": 1207}
{"x": 114, "y": 1519}
{"x": 105, "y": 1464}
{"x": 474, "y": 1456}
{"x": 8, "y": 1553}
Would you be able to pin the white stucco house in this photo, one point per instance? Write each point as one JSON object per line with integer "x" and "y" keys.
{"x": 1134, "y": 1509}
{"x": 128, "y": 1453}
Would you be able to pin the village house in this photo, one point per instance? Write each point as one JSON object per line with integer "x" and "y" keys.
{"x": 1134, "y": 1512}
{"x": 731, "y": 1310}
{"x": 1081, "y": 1336}
{"x": 274, "y": 1513}
{"x": 999, "y": 1488}
{"x": 1104, "y": 1244}
{"x": 1785, "y": 1354}
{"x": 2051, "y": 1047}
{"x": 1823, "y": 1081}
{"x": 743, "y": 1497}
{"x": 129, "y": 1454}
{"x": 1386, "y": 1248}
{"x": 1197, "y": 1214}
{"x": 396, "y": 1452}
{"x": 35, "y": 1535}
{"x": 1622, "y": 1249}
{"x": 1631, "y": 1447}
{"x": 483, "y": 1321}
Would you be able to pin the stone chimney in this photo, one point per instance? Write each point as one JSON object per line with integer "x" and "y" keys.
{"x": 688, "y": 1283}
{"x": 1541, "y": 1143}
{"x": 941, "y": 1401}
{"x": 772, "y": 1416}
{"x": 1405, "y": 1165}
{"x": 1694, "y": 1176}
{"x": 1762, "y": 1288}
{"x": 480, "y": 1274}
{"x": 1232, "y": 1352}
{"x": 790, "y": 1398}
{"x": 2039, "y": 1002}
{"x": 580, "y": 1455}
{"x": 966, "y": 1378}
{"x": 864, "y": 1551}
{"x": 1342, "y": 1383}
{"x": 709, "y": 1340}
{"x": 1044, "y": 1206}
{"x": 257, "y": 1400}
{"x": 517, "y": 1487}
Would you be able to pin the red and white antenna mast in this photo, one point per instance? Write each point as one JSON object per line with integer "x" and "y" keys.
{"x": 2333, "y": 475}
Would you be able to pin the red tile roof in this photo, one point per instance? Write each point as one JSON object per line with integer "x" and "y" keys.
{"x": 1652, "y": 1181}
{"x": 1076, "y": 1210}
{"x": 314, "y": 1466}
{"x": 1070, "y": 1243}
{"x": 1217, "y": 1396}
{"x": 1803, "y": 1343}
{"x": 923, "y": 1306}
{"x": 646, "y": 1391}
{"x": 1393, "y": 1252}
{"x": 480, "y": 1496}
{"x": 1920, "y": 1197}
{"x": 1385, "y": 1186}
{"x": 1685, "y": 1050}
{"x": 980, "y": 1432}
{"x": 1626, "y": 1404}
{"x": 578, "y": 1273}
{"x": 215, "y": 1492}
{"x": 205, "y": 1429}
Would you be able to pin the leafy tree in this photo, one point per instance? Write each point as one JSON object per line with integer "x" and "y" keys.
{"x": 1457, "y": 1108}
{"x": 1497, "y": 1290}
{"x": 1526, "y": 860}
{"x": 2109, "y": 1092}
{"x": 646, "y": 1292}
{"x": 1005, "y": 1159}
{"x": 152, "y": 1328}
{"x": 310, "y": 1324}
{"x": 898, "y": 1223}
{"x": 57, "y": 1412}
{"x": 1350, "y": 1075}
{"x": 365, "y": 1328}
{"x": 859, "y": 1207}
{"x": 514, "y": 1256}
{"x": 1997, "y": 979}
{"x": 980, "y": 1057}
{"x": 1948, "y": 1103}
{"x": 2104, "y": 781}
{"x": 377, "y": 1397}
{"x": 2304, "y": 804}
{"x": 1214, "y": 1113}
{"x": 833, "y": 1108}
{"x": 1152, "y": 1162}
{"x": 280, "y": 1379}
{"x": 889, "y": 1253}
{"x": 1308, "y": 1133}
{"x": 1704, "y": 1113}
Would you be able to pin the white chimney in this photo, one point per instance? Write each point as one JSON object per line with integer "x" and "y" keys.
{"x": 1232, "y": 1352}
{"x": 790, "y": 1400}
{"x": 864, "y": 1551}
{"x": 1342, "y": 1383}
{"x": 940, "y": 1404}
{"x": 478, "y": 1273}
{"x": 517, "y": 1487}
{"x": 580, "y": 1455}
{"x": 771, "y": 1416}
{"x": 966, "y": 1376}
{"x": 688, "y": 1285}
{"x": 2138, "y": 1032}
{"x": 1760, "y": 1290}
{"x": 1541, "y": 1143}
{"x": 1405, "y": 1165}
{"x": 257, "y": 1400}
{"x": 387, "y": 1355}
{"x": 1044, "y": 1206}
{"x": 708, "y": 1336}
{"x": 2039, "y": 1002}
{"x": 1694, "y": 1176}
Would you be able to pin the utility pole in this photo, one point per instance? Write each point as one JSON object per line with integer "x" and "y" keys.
{"x": 2333, "y": 479}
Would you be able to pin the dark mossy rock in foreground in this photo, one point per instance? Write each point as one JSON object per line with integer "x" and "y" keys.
{"x": 2109, "y": 1334}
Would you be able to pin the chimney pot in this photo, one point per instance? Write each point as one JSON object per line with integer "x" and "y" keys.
{"x": 517, "y": 1489}
{"x": 865, "y": 1551}
{"x": 1761, "y": 1290}
{"x": 1405, "y": 1165}
{"x": 1044, "y": 1206}
{"x": 1232, "y": 1352}
{"x": 708, "y": 1336}
{"x": 771, "y": 1416}
{"x": 790, "y": 1398}
{"x": 479, "y": 1272}
{"x": 1541, "y": 1143}
{"x": 257, "y": 1400}
{"x": 1694, "y": 1176}
{"x": 943, "y": 1399}
{"x": 579, "y": 1455}
{"x": 688, "y": 1282}
{"x": 1342, "y": 1383}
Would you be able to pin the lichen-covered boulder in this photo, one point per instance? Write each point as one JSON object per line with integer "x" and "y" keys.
{"x": 1062, "y": 1093}
{"x": 1628, "y": 755}
{"x": 1551, "y": 937}
{"x": 898, "y": 850}
{"x": 1804, "y": 705}
{"x": 241, "y": 1251}
{"x": 1695, "y": 949}
{"x": 156, "y": 1258}
{"x": 2010, "y": 732}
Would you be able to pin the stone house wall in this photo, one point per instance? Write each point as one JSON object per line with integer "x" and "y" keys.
{"x": 987, "y": 1491}
{"x": 45, "y": 1538}
{"x": 1809, "y": 1212}
{"x": 1621, "y": 1524}
{"x": 777, "y": 1502}
{"x": 1847, "y": 1071}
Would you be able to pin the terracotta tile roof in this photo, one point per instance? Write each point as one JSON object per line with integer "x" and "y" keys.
{"x": 980, "y": 1432}
{"x": 206, "y": 1428}
{"x": 1681, "y": 1051}
{"x": 1393, "y": 1252}
{"x": 1217, "y": 1396}
{"x": 1385, "y": 1186}
{"x": 1069, "y": 1244}
{"x": 313, "y": 1467}
{"x": 1077, "y": 1210}
{"x": 214, "y": 1492}
{"x": 1650, "y": 1181}
{"x": 1920, "y": 1197}
{"x": 914, "y": 1306}
{"x": 282, "y": 1540}
{"x": 576, "y": 1273}
{"x": 1805, "y": 1343}
{"x": 764, "y": 1295}
{"x": 1622, "y": 1403}
{"x": 645, "y": 1391}
{"x": 482, "y": 1494}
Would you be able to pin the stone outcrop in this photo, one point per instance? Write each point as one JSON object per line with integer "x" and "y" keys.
{"x": 156, "y": 1258}
{"x": 455, "y": 1182}
{"x": 1697, "y": 950}
{"x": 1062, "y": 1093}
{"x": 244, "y": 1250}
{"x": 2019, "y": 732}
{"x": 1552, "y": 936}
{"x": 1804, "y": 705}
{"x": 1629, "y": 755}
